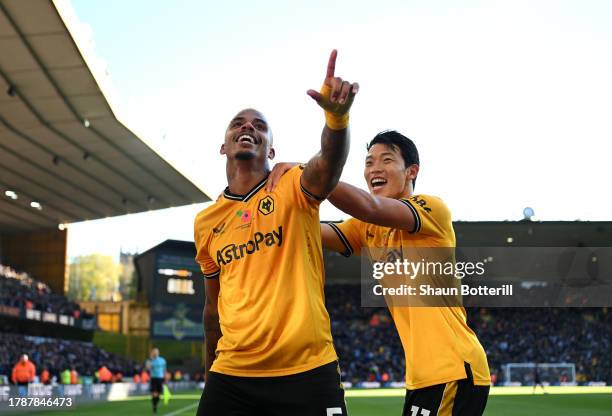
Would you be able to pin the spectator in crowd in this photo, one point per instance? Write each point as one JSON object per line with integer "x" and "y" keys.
{"x": 144, "y": 376}
{"x": 65, "y": 377}
{"x": 45, "y": 377}
{"x": 64, "y": 380}
{"x": 23, "y": 374}
{"x": 74, "y": 376}
{"x": 104, "y": 375}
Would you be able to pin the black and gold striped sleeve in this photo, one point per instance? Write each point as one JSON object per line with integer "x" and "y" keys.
{"x": 431, "y": 216}
{"x": 348, "y": 249}
{"x": 350, "y": 232}
{"x": 415, "y": 212}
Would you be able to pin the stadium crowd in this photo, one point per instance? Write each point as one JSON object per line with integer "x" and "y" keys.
{"x": 582, "y": 336}
{"x": 365, "y": 338}
{"x": 50, "y": 358}
{"x": 20, "y": 290}
{"x": 369, "y": 347}
{"x": 56, "y": 356}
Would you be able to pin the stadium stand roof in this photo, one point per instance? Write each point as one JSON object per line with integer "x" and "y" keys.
{"x": 62, "y": 147}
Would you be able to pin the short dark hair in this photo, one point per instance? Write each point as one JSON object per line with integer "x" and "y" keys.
{"x": 406, "y": 146}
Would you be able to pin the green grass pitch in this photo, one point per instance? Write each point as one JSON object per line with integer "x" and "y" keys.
{"x": 389, "y": 402}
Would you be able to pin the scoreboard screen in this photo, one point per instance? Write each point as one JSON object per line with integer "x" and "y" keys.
{"x": 178, "y": 300}
{"x": 178, "y": 279}
{"x": 172, "y": 282}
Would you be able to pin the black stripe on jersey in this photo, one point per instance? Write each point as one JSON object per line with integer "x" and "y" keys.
{"x": 248, "y": 195}
{"x": 417, "y": 218}
{"x": 310, "y": 194}
{"x": 342, "y": 237}
{"x": 212, "y": 275}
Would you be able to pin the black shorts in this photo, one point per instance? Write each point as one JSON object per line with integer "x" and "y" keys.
{"x": 156, "y": 385}
{"x": 317, "y": 392}
{"x": 456, "y": 398}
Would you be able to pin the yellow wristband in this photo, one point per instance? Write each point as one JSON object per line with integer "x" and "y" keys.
{"x": 332, "y": 120}
{"x": 336, "y": 122}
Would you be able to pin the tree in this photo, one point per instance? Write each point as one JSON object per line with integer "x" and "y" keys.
{"x": 127, "y": 278}
{"x": 93, "y": 277}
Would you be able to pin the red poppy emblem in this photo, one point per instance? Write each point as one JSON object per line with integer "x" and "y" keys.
{"x": 246, "y": 216}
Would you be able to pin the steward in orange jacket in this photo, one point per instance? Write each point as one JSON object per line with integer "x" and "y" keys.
{"x": 24, "y": 371}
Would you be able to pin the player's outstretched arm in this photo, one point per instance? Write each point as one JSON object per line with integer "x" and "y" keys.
{"x": 322, "y": 172}
{"x": 387, "y": 212}
{"x": 212, "y": 329}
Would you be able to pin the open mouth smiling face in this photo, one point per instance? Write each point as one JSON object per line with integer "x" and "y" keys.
{"x": 247, "y": 136}
{"x": 385, "y": 172}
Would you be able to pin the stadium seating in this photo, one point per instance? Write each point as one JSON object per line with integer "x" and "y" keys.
{"x": 365, "y": 338}
{"x": 20, "y": 293}
{"x": 20, "y": 290}
{"x": 57, "y": 355}
{"x": 547, "y": 335}
{"x": 369, "y": 347}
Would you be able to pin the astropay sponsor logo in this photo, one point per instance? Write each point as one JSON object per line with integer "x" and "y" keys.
{"x": 260, "y": 241}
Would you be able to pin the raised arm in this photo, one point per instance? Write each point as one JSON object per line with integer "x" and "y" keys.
{"x": 322, "y": 172}
{"x": 212, "y": 329}
{"x": 387, "y": 212}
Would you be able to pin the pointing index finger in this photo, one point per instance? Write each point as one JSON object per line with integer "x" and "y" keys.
{"x": 331, "y": 65}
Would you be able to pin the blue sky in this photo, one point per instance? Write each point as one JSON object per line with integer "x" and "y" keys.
{"x": 509, "y": 103}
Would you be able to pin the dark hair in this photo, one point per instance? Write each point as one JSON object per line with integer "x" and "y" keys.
{"x": 397, "y": 140}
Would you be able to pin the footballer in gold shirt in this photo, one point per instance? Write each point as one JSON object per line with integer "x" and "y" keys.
{"x": 269, "y": 347}
{"x": 265, "y": 247}
{"x": 446, "y": 366}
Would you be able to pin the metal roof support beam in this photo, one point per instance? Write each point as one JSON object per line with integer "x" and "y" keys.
{"x": 67, "y": 216}
{"x": 66, "y": 162}
{"x": 43, "y": 186}
{"x": 22, "y": 219}
{"x": 55, "y": 175}
{"x": 77, "y": 115}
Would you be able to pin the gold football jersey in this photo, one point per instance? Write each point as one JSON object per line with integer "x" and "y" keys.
{"x": 437, "y": 340}
{"x": 265, "y": 249}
